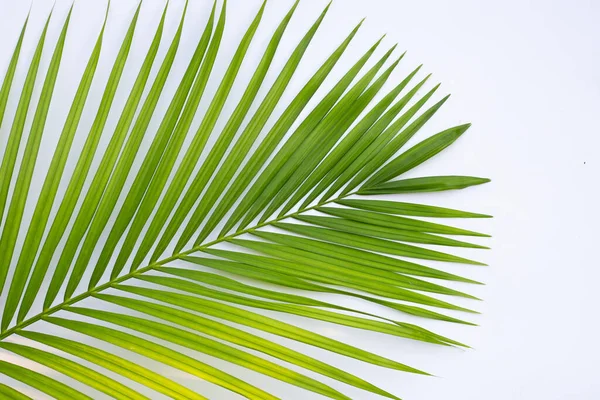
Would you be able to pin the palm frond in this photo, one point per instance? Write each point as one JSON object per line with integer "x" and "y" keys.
{"x": 221, "y": 231}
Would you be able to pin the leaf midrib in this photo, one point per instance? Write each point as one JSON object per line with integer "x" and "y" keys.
{"x": 89, "y": 293}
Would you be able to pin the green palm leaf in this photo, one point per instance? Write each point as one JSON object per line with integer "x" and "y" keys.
{"x": 218, "y": 235}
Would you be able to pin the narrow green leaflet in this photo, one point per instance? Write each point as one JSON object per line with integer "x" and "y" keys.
{"x": 363, "y": 229}
{"x": 377, "y": 245}
{"x": 425, "y": 184}
{"x": 46, "y": 198}
{"x": 41, "y": 382}
{"x": 98, "y": 184}
{"x": 417, "y": 155}
{"x": 7, "y": 168}
{"x": 76, "y": 183}
{"x": 163, "y": 354}
{"x": 401, "y": 208}
{"x": 393, "y": 221}
{"x": 74, "y": 370}
{"x": 11, "y": 394}
{"x": 10, "y": 72}
{"x": 153, "y": 156}
{"x": 115, "y": 364}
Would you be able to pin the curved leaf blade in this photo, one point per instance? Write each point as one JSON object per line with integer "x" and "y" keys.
{"x": 411, "y": 209}
{"x": 425, "y": 184}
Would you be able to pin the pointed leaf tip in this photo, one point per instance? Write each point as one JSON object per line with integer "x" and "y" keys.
{"x": 105, "y": 19}
{"x": 164, "y": 14}
{"x": 359, "y": 24}
{"x": 262, "y": 7}
{"x": 323, "y": 13}
{"x": 462, "y": 128}
{"x": 377, "y": 43}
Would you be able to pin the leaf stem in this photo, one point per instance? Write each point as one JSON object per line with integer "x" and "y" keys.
{"x": 49, "y": 311}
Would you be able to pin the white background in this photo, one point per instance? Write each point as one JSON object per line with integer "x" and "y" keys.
{"x": 525, "y": 73}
